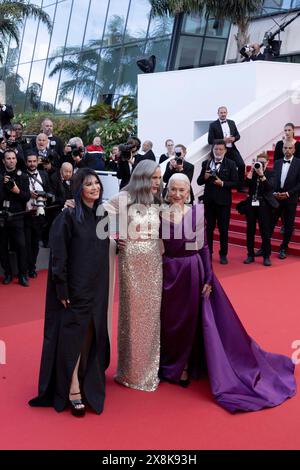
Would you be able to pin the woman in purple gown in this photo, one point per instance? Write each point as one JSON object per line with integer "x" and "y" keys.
{"x": 196, "y": 311}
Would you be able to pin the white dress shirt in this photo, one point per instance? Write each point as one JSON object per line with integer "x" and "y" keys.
{"x": 226, "y": 131}
{"x": 285, "y": 170}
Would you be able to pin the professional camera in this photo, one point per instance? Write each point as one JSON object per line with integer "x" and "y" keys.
{"x": 125, "y": 151}
{"x": 246, "y": 50}
{"x": 40, "y": 202}
{"x": 10, "y": 183}
{"x": 11, "y": 144}
{"x": 258, "y": 165}
{"x": 178, "y": 157}
{"x": 213, "y": 175}
{"x": 76, "y": 151}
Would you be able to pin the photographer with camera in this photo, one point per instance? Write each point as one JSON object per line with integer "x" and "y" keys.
{"x": 259, "y": 206}
{"x": 6, "y": 115}
{"x": 14, "y": 191}
{"x": 35, "y": 220}
{"x": 178, "y": 164}
{"x": 61, "y": 183}
{"x": 251, "y": 52}
{"x": 128, "y": 153}
{"x": 48, "y": 158}
{"x": 9, "y": 142}
{"x": 74, "y": 153}
{"x": 219, "y": 175}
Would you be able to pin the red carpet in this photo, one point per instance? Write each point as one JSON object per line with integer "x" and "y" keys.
{"x": 172, "y": 417}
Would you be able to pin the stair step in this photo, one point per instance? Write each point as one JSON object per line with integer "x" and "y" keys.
{"x": 240, "y": 227}
{"x": 239, "y": 239}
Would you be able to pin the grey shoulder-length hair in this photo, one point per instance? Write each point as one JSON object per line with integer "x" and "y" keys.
{"x": 139, "y": 186}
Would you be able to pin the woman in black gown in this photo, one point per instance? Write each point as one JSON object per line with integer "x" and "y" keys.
{"x": 76, "y": 345}
{"x": 289, "y": 136}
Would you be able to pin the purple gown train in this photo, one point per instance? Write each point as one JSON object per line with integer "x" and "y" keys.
{"x": 242, "y": 376}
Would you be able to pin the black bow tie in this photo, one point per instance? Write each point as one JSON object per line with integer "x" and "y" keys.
{"x": 286, "y": 161}
{"x": 218, "y": 163}
{"x": 223, "y": 122}
{"x": 33, "y": 174}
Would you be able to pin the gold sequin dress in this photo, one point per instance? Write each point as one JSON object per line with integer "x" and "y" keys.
{"x": 140, "y": 287}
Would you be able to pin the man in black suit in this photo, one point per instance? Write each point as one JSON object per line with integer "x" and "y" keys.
{"x": 38, "y": 181}
{"x": 14, "y": 194}
{"x": 148, "y": 153}
{"x": 226, "y": 130}
{"x": 287, "y": 192}
{"x": 6, "y": 115}
{"x": 259, "y": 207}
{"x": 179, "y": 165}
{"x": 54, "y": 142}
{"x": 219, "y": 175}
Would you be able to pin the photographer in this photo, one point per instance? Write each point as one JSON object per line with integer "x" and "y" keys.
{"x": 62, "y": 185}
{"x": 48, "y": 159}
{"x": 251, "y": 52}
{"x": 14, "y": 190}
{"x": 74, "y": 153}
{"x": 219, "y": 175}
{"x": 9, "y": 142}
{"x": 179, "y": 165}
{"x": 24, "y": 142}
{"x": 111, "y": 164}
{"x": 127, "y": 155}
{"x": 35, "y": 219}
{"x": 259, "y": 207}
{"x": 6, "y": 114}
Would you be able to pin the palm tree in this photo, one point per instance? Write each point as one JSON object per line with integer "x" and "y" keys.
{"x": 122, "y": 108}
{"x": 236, "y": 11}
{"x": 12, "y": 15}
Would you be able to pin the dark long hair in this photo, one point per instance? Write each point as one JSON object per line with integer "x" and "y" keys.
{"x": 77, "y": 187}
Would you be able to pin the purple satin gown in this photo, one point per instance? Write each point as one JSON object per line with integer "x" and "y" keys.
{"x": 242, "y": 376}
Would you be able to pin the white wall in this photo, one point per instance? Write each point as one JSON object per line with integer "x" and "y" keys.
{"x": 177, "y": 104}
{"x": 290, "y": 37}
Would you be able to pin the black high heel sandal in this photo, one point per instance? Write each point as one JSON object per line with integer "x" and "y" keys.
{"x": 184, "y": 382}
{"x": 79, "y": 412}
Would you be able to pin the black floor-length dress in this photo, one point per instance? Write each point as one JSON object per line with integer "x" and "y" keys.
{"x": 79, "y": 271}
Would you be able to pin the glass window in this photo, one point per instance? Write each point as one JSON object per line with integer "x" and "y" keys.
{"x": 129, "y": 70}
{"x": 194, "y": 24}
{"x": 138, "y": 20}
{"x": 217, "y": 28}
{"x": 34, "y": 89}
{"x": 108, "y": 72}
{"x": 28, "y": 41}
{"x": 95, "y": 25}
{"x": 49, "y": 87}
{"x": 78, "y": 22}
{"x": 161, "y": 26}
{"x": 188, "y": 53}
{"x": 60, "y": 27}
{"x": 213, "y": 52}
{"x": 43, "y": 37}
{"x": 160, "y": 48}
{"x": 115, "y": 22}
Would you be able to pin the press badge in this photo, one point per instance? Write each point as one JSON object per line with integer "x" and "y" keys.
{"x": 255, "y": 203}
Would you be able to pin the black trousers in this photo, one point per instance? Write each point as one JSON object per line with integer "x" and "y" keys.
{"x": 33, "y": 233}
{"x": 287, "y": 211}
{"x": 234, "y": 154}
{"x": 217, "y": 214}
{"x": 263, "y": 215}
{"x": 13, "y": 233}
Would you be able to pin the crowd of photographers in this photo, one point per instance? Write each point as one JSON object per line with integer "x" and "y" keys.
{"x": 36, "y": 181}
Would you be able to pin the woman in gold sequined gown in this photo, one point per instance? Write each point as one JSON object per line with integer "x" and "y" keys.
{"x": 140, "y": 278}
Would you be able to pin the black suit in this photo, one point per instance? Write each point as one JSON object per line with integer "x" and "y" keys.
{"x": 215, "y": 132}
{"x": 33, "y": 225}
{"x": 287, "y": 208}
{"x": 6, "y": 116}
{"x": 13, "y": 230}
{"x": 217, "y": 201}
{"x": 147, "y": 156}
{"x": 263, "y": 214}
{"x": 188, "y": 170}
